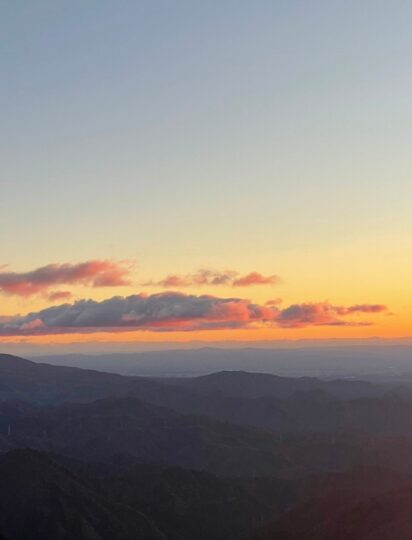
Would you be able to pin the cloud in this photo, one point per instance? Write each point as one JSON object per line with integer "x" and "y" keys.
{"x": 158, "y": 312}
{"x": 274, "y": 302}
{"x": 95, "y": 273}
{"x": 324, "y": 314}
{"x": 57, "y": 296}
{"x": 254, "y": 278}
{"x": 361, "y": 308}
{"x": 169, "y": 311}
{"x": 228, "y": 278}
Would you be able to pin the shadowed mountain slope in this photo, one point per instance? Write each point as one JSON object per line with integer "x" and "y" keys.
{"x": 281, "y": 404}
{"x": 40, "y": 499}
{"x": 44, "y": 497}
{"x": 46, "y": 384}
{"x": 128, "y": 427}
{"x": 365, "y": 504}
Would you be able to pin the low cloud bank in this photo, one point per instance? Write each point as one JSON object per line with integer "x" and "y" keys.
{"x": 172, "y": 311}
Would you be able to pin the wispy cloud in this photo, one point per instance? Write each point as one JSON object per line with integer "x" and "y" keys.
{"x": 361, "y": 308}
{"x": 324, "y": 314}
{"x": 228, "y": 278}
{"x": 274, "y": 302}
{"x": 173, "y": 311}
{"x": 59, "y": 296}
{"x": 94, "y": 273}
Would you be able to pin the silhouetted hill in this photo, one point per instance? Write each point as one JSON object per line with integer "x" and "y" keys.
{"x": 384, "y": 416}
{"x": 129, "y": 427}
{"x": 46, "y": 384}
{"x": 278, "y": 403}
{"x": 39, "y": 499}
{"x": 360, "y": 505}
{"x": 255, "y": 385}
{"x": 224, "y": 453}
{"x": 43, "y": 383}
{"x": 42, "y": 499}
{"x": 190, "y": 504}
{"x": 51, "y": 497}
{"x": 383, "y": 518}
{"x": 310, "y": 406}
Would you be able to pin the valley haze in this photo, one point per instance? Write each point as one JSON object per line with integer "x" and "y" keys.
{"x": 369, "y": 361}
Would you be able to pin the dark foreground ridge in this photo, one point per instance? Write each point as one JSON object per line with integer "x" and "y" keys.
{"x": 46, "y": 499}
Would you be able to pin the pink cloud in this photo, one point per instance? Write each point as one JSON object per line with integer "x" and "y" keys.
{"x": 95, "y": 273}
{"x": 228, "y": 278}
{"x": 323, "y": 314}
{"x": 254, "y": 278}
{"x": 361, "y": 308}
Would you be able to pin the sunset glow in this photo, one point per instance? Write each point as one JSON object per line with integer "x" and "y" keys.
{"x": 195, "y": 156}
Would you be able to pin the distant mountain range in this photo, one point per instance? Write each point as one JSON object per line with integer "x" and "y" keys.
{"x": 48, "y": 384}
{"x": 375, "y": 361}
{"x": 285, "y": 405}
{"x": 90, "y": 455}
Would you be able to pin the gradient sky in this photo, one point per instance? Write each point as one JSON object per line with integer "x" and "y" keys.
{"x": 267, "y": 136}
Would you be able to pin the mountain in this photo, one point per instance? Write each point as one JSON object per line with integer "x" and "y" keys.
{"x": 315, "y": 412}
{"x": 93, "y": 456}
{"x": 375, "y": 505}
{"x": 191, "y": 504}
{"x": 254, "y": 385}
{"x": 123, "y": 430}
{"x": 285, "y": 405}
{"x": 377, "y": 360}
{"x": 40, "y": 499}
{"x": 43, "y": 496}
{"x": 375, "y": 518}
{"x": 46, "y": 384}
{"x": 130, "y": 428}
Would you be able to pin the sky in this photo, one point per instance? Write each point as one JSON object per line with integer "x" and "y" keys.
{"x": 213, "y": 171}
